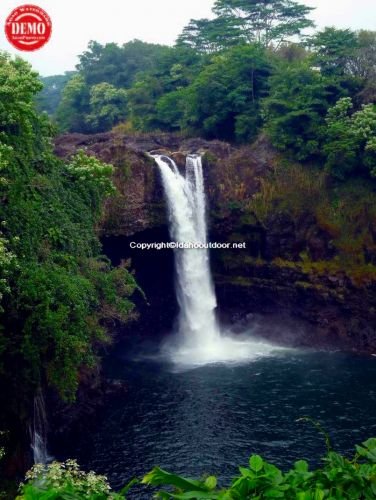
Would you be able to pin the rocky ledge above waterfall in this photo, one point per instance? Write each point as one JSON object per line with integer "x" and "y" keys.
{"x": 67, "y": 144}
{"x": 298, "y": 259}
{"x": 139, "y": 204}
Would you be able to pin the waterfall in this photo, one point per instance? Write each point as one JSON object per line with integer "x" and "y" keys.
{"x": 194, "y": 288}
{"x": 38, "y": 430}
{"x": 200, "y": 339}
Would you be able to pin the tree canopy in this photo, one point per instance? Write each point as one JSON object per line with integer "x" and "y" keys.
{"x": 265, "y": 22}
{"x": 232, "y": 77}
{"x": 208, "y": 36}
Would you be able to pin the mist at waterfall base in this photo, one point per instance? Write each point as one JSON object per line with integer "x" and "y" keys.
{"x": 199, "y": 339}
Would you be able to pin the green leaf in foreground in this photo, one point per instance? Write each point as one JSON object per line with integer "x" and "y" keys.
{"x": 256, "y": 463}
{"x": 158, "y": 477}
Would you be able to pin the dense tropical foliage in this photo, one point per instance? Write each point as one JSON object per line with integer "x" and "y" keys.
{"x": 233, "y": 77}
{"x": 57, "y": 292}
{"x": 339, "y": 478}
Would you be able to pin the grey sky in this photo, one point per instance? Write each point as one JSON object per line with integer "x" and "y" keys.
{"x": 76, "y": 22}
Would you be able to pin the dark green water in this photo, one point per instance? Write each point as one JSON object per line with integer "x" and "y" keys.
{"x": 211, "y": 419}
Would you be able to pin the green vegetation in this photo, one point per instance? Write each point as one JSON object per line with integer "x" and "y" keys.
{"x": 256, "y": 21}
{"x": 66, "y": 480}
{"x": 94, "y": 99}
{"x": 211, "y": 83}
{"x": 351, "y": 139}
{"x": 339, "y": 478}
{"x": 224, "y": 99}
{"x": 311, "y": 103}
{"x": 233, "y": 77}
{"x": 48, "y": 99}
{"x": 343, "y": 213}
{"x": 57, "y": 292}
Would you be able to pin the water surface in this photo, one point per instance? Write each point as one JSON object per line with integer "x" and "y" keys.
{"x": 212, "y": 418}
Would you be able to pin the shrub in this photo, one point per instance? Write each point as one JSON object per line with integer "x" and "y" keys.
{"x": 65, "y": 481}
{"x": 339, "y": 478}
{"x": 350, "y": 143}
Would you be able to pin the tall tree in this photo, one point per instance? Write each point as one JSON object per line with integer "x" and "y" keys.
{"x": 118, "y": 65}
{"x": 224, "y": 100}
{"x": 268, "y": 22}
{"x": 364, "y": 62}
{"x": 175, "y": 71}
{"x": 211, "y": 35}
{"x": 295, "y": 110}
{"x": 74, "y": 105}
{"x": 108, "y": 107}
{"x": 364, "y": 65}
{"x": 49, "y": 98}
{"x": 334, "y": 50}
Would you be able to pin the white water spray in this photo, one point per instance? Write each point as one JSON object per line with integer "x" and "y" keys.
{"x": 195, "y": 293}
{"x": 200, "y": 338}
{"x": 39, "y": 431}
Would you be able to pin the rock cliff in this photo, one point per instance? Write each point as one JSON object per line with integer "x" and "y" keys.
{"x": 269, "y": 276}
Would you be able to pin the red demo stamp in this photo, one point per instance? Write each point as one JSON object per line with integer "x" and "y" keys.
{"x": 28, "y": 27}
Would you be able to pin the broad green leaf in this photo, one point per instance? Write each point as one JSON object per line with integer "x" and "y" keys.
{"x": 319, "y": 495}
{"x": 301, "y": 466}
{"x": 256, "y": 463}
{"x": 128, "y": 486}
{"x": 246, "y": 472}
{"x": 158, "y": 477}
{"x": 370, "y": 444}
{"x": 273, "y": 472}
{"x": 211, "y": 482}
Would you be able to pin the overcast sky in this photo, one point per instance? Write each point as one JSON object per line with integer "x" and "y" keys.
{"x": 75, "y": 22}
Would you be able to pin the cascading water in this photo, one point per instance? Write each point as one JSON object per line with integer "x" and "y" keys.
{"x": 195, "y": 293}
{"x": 38, "y": 430}
{"x": 200, "y": 339}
